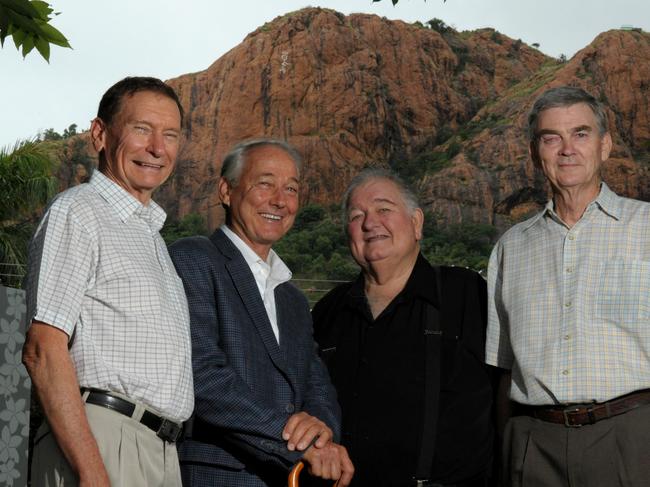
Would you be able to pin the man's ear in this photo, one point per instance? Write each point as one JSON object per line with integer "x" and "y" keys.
{"x": 533, "y": 152}
{"x": 224, "y": 191}
{"x": 98, "y": 134}
{"x": 418, "y": 222}
{"x": 606, "y": 146}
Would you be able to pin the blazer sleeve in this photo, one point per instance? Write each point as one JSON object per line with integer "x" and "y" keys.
{"x": 222, "y": 399}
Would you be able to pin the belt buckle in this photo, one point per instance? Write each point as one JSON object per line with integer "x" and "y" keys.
{"x": 168, "y": 431}
{"x": 566, "y": 413}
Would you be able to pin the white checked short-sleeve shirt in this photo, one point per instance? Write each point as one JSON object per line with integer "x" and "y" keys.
{"x": 99, "y": 271}
{"x": 569, "y": 308}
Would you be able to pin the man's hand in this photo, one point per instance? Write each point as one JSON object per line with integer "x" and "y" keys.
{"x": 301, "y": 430}
{"x": 330, "y": 462}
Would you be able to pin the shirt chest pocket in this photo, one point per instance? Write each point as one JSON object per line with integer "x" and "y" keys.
{"x": 623, "y": 292}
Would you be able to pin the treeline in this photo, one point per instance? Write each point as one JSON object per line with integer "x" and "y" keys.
{"x": 51, "y": 134}
{"x": 316, "y": 247}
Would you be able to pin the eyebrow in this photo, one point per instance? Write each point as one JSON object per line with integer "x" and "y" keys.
{"x": 140, "y": 121}
{"x": 579, "y": 128}
{"x": 272, "y": 175}
{"x": 384, "y": 200}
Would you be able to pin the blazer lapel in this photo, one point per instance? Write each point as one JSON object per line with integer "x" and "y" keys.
{"x": 246, "y": 287}
{"x": 288, "y": 323}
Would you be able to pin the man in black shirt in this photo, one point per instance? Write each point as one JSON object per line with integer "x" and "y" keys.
{"x": 404, "y": 344}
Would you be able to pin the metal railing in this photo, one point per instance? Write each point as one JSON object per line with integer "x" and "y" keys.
{"x": 315, "y": 289}
{"x": 12, "y": 275}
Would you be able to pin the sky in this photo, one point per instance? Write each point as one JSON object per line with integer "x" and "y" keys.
{"x": 167, "y": 38}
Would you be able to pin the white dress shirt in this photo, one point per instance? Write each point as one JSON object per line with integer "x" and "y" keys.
{"x": 268, "y": 275}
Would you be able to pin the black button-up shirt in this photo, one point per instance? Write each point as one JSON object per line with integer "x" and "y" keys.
{"x": 378, "y": 369}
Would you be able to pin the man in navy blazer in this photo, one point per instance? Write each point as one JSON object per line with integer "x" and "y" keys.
{"x": 264, "y": 400}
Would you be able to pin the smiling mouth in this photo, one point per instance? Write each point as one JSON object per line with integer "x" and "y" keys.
{"x": 270, "y": 216}
{"x": 146, "y": 164}
{"x": 375, "y": 238}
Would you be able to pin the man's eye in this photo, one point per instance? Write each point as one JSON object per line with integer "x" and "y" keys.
{"x": 356, "y": 216}
{"x": 550, "y": 139}
{"x": 582, "y": 135}
{"x": 292, "y": 189}
{"x": 383, "y": 210}
{"x": 171, "y": 136}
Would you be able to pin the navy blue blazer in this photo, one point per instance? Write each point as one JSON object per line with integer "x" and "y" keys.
{"x": 246, "y": 385}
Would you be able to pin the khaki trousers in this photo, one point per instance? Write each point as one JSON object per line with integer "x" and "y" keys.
{"x": 614, "y": 452}
{"x": 132, "y": 453}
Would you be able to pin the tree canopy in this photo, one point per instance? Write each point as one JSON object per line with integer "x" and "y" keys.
{"x": 28, "y": 23}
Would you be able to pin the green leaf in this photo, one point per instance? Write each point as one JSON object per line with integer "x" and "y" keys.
{"x": 43, "y": 47}
{"x": 4, "y": 26}
{"x": 19, "y": 36}
{"x": 24, "y": 23}
{"x": 54, "y": 36}
{"x": 28, "y": 45}
{"x": 21, "y": 7}
{"x": 43, "y": 8}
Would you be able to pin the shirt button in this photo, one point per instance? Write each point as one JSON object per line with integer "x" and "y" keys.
{"x": 565, "y": 372}
{"x": 572, "y": 237}
{"x": 289, "y": 408}
{"x": 567, "y": 337}
{"x": 567, "y": 304}
{"x": 569, "y": 270}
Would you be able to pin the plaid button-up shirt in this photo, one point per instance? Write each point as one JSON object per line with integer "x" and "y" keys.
{"x": 99, "y": 271}
{"x": 569, "y": 308}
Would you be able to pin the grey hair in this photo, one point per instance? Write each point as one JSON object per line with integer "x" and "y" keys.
{"x": 371, "y": 174}
{"x": 233, "y": 164}
{"x": 564, "y": 96}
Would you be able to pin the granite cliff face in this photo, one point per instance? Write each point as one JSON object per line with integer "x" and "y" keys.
{"x": 444, "y": 108}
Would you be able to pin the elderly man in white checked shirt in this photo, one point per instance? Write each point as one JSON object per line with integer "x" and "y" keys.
{"x": 108, "y": 349}
{"x": 569, "y": 313}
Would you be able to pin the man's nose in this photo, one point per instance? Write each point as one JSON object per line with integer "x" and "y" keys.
{"x": 157, "y": 144}
{"x": 567, "y": 148}
{"x": 369, "y": 221}
{"x": 278, "y": 198}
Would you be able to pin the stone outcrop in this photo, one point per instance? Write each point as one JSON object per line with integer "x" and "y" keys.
{"x": 492, "y": 178}
{"x": 446, "y": 108}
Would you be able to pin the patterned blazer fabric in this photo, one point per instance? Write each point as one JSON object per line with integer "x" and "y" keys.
{"x": 246, "y": 385}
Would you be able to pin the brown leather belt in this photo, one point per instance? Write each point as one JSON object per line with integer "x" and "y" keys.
{"x": 576, "y": 415}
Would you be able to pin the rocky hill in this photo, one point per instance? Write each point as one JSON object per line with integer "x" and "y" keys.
{"x": 444, "y": 108}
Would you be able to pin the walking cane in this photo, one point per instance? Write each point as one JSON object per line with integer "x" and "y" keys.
{"x": 295, "y": 474}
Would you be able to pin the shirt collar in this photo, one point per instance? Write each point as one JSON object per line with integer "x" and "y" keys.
{"x": 419, "y": 284}
{"x": 278, "y": 269}
{"x": 608, "y": 201}
{"x": 124, "y": 203}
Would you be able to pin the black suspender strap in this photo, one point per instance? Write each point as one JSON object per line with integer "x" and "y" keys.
{"x": 432, "y": 364}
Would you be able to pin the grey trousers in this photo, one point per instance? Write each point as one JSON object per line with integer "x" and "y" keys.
{"x": 611, "y": 453}
{"x": 132, "y": 453}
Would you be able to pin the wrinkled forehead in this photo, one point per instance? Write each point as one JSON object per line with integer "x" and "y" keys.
{"x": 376, "y": 191}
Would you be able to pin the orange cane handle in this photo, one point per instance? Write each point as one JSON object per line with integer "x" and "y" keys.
{"x": 295, "y": 474}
